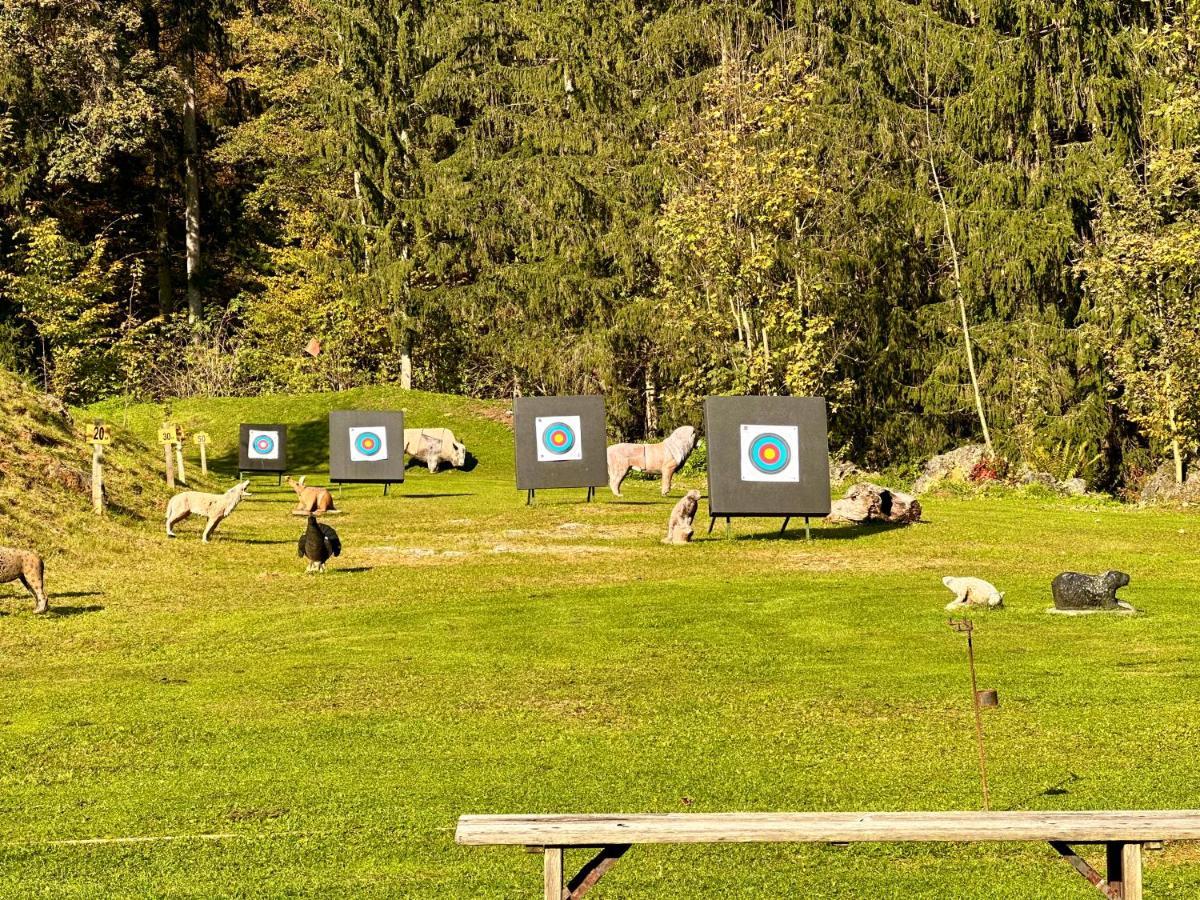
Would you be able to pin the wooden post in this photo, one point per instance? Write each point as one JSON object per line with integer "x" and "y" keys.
{"x": 179, "y": 462}
{"x": 1124, "y": 870}
{"x": 204, "y": 457}
{"x": 97, "y": 479}
{"x": 170, "y": 466}
{"x": 553, "y": 870}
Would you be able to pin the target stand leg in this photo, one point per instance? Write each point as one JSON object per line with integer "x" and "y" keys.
{"x": 712, "y": 520}
{"x": 807, "y": 530}
{"x": 279, "y": 483}
{"x": 590, "y": 494}
{"x": 783, "y": 528}
{"x": 728, "y": 527}
{"x": 386, "y": 485}
{"x": 529, "y": 498}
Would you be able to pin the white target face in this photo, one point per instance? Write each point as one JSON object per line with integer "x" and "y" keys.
{"x": 368, "y": 444}
{"x": 262, "y": 445}
{"x": 770, "y": 453}
{"x": 558, "y": 438}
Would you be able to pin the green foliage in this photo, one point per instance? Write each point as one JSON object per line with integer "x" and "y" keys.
{"x": 1142, "y": 269}
{"x": 739, "y": 315}
{"x": 650, "y": 201}
{"x": 64, "y": 290}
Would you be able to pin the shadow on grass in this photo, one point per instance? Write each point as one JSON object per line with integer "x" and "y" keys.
{"x": 64, "y": 611}
{"x": 434, "y": 496}
{"x": 795, "y": 532}
{"x": 353, "y": 570}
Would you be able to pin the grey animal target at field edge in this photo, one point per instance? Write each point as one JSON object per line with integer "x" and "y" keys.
{"x": 262, "y": 448}
{"x": 560, "y": 442}
{"x": 366, "y": 447}
{"x": 767, "y": 456}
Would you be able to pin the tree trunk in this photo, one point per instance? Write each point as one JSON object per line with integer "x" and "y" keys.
{"x": 152, "y": 28}
{"x": 192, "y": 188}
{"x": 406, "y": 362}
{"x": 968, "y": 350}
{"x": 651, "y": 403}
{"x": 162, "y": 235}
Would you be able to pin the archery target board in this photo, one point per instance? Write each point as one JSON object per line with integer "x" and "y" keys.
{"x": 560, "y": 442}
{"x": 366, "y": 446}
{"x": 558, "y": 438}
{"x": 769, "y": 453}
{"x": 767, "y": 456}
{"x": 262, "y": 448}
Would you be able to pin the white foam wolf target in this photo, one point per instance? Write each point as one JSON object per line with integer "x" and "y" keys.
{"x": 262, "y": 444}
{"x": 558, "y": 438}
{"x": 770, "y": 453}
{"x": 368, "y": 444}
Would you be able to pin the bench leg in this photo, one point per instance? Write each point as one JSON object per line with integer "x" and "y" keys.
{"x": 1125, "y": 870}
{"x": 552, "y": 869}
{"x": 595, "y": 870}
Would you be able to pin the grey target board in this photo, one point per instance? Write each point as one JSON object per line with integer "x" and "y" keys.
{"x": 767, "y": 456}
{"x": 262, "y": 448}
{"x": 560, "y": 443}
{"x": 366, "y": 447}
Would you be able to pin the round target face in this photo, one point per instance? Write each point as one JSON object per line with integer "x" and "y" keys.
{"x": 264, "y": 445}
{"x": 368, "y": 443}
{"x": 558, "y": 438}
{"x": 770, "y": 453}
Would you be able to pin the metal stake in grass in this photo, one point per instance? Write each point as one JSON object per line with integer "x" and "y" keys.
{"x": 979, "y": 699}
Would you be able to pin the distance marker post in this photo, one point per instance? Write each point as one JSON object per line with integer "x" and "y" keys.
{"x": 100, "y": 436}
{"x": 200, "y": 438}
{"x": 166, "y": 437}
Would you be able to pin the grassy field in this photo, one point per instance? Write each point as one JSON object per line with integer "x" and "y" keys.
{"x": 304, "y": 736}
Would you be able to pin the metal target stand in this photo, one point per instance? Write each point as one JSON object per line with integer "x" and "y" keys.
{"x": 712, "y": 521}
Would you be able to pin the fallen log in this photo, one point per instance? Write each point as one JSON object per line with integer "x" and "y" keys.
{"x": 867, "y": 502}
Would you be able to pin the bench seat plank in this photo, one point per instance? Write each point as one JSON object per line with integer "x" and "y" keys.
{"x": 722, "y": 828}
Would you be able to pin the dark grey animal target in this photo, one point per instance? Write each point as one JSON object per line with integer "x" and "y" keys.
{"x": 1077, "y": 592}
{"x": 318, "y": 545}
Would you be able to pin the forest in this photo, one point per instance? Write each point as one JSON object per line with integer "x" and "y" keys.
{"x": 958, "y": 220}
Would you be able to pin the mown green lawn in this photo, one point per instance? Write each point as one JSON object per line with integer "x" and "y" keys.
{"x": 469, "y": 654}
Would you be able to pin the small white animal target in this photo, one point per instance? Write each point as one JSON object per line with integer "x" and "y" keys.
{"x": 972, "y": 592}
{"x": 368, "y": 444}
{"x": 262, "y": 444}
{"x": 558, "y": 438}
{"x": 769, "y": 453}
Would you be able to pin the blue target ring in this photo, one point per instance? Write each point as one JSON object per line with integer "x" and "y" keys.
{"x": 558, "y": 438}
{"x": 770, "y": 454}
{"x": 264, "y": 444}
{"x": 368, "y": 443}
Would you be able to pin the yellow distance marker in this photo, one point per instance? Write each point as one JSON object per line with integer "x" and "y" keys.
{"x": 168, "y": 433}
{"x": 99, "y": 433}
{"x": 200, "y": 438}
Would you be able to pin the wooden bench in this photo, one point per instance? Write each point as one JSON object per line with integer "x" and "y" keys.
{"x": 1122, "y": 833}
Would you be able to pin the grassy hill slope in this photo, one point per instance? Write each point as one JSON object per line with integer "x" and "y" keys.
{"x": 45, "y": 477}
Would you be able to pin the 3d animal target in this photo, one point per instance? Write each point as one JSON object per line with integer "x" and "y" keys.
{"x": 366, "y": 447}
{"x": 767, "y": 456}
{"x": 262, "y": 448}
{"x": 560, "y": 443}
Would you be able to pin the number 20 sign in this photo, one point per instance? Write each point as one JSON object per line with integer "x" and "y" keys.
{"x": 99, "y": 433}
